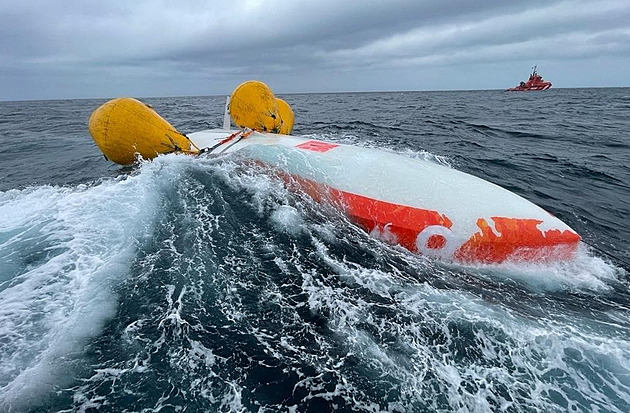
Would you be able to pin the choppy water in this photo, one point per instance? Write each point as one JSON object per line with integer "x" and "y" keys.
{"x": 190, "y": 284}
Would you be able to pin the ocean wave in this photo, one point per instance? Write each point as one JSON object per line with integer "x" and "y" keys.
{"x": 246, "y": 296}
{"x": 64, "y": 249}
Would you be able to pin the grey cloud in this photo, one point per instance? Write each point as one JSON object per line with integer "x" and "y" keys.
{"x": 83, "y": 49}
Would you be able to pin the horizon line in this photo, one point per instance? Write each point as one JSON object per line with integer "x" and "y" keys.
{"x": 311, "y": 93}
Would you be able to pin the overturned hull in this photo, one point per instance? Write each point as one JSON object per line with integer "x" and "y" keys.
{"x": 423, "y": 206}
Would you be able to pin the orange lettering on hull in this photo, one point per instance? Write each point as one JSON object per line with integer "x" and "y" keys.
{"x": 518, "y": 239}
{"x": 403, "y": 221}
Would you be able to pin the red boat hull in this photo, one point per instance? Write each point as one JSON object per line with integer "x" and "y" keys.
{"x": 542, "y": 86}
{"x": 535, "y": 82}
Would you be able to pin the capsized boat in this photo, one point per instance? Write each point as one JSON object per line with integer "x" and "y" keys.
{"x": 423, "y": 206}
{"x": 535, "y": 82}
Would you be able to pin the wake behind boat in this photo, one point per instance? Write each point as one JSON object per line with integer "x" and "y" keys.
{"x": 425, "y": 207}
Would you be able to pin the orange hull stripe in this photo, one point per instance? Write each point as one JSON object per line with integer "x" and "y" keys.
{"x": 517, "y": 238}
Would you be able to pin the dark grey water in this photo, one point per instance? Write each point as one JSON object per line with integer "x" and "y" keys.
{"x": 189, "y": 284}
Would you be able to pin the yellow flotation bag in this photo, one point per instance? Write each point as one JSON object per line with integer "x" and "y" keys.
{"x": 284, "y": 124}
{"x": 253, "y": 106}
{"x": 124, "y": 128}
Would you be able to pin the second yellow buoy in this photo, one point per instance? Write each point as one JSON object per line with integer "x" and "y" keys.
{"x": 253, "y": 106}
{"x": 286, "y": 117}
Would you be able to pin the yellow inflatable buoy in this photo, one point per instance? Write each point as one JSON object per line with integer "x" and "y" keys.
{"x": 253, "y": 106}
{"x": 284, "y": 124}
{"x": 124, "y": 128}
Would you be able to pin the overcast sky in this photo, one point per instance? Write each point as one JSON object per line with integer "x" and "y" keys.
{"x": 79, "y": 49}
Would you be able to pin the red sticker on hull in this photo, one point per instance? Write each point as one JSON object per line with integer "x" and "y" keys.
{"x": 317, "y": 146}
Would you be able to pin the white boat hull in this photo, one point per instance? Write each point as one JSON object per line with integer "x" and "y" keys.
{"x": 425, "y": 207}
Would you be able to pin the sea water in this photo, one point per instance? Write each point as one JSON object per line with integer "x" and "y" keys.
{"x": 203, "y": 284}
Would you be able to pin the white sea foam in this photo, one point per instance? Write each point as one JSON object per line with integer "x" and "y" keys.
{"x": 518, "y": 363}
{"x": 585, "y": 272}
{"x": 69, "y": 248}
{"x": 287, "y": 219}
{"x": 432, "y": 348}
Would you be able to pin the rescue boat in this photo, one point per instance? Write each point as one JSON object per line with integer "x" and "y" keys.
{"x": 420, "y": 205}
{"x": 535, "y": 82}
